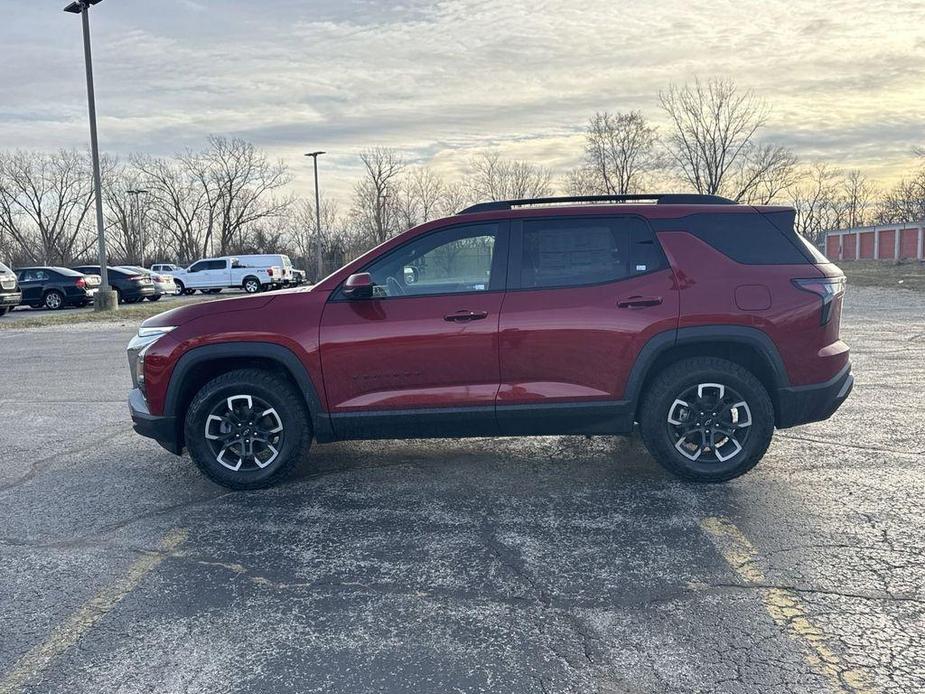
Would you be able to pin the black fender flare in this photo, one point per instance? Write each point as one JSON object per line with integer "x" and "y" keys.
{"x": 731, "y": 334}
{"x": 285, "y": 357}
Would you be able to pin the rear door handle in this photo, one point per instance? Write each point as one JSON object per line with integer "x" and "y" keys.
{"x": 639, "y": 301}
{"x": 462, "y": 316}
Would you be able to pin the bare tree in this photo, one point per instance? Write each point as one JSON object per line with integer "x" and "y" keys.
{"x": 420, "y": 196}
{"x": 304, "y": 236}
{"x": 905, "y": 202}
{"x": 855, "y": 200}
{"x": 494, "y": 178}
{"x": 374, "y": 204}
{"x": 815, "y": 201}
{"x": 713, "y": 145}
{"x": 620, "y": 150}
{"x": 241, "y": 186}
{"x": 180, "y": 206}
{"x": 45, "y": 205}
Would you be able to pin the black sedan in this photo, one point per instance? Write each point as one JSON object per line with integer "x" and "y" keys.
{"x": 55, "y": 287}
{"x": 131, "y": 286}
{"x": 10, "y": 296}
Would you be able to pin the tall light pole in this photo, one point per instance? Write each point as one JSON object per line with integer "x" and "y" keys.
{"x": 136, "y": 213}
{"x": 320, "y": 269}
{"x": 105, "y": 299}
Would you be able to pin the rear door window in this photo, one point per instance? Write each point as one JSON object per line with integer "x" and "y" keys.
{"x": 569, "y": 252}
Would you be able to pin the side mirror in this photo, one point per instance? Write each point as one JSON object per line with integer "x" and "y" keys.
{"x": 359, "y": 286}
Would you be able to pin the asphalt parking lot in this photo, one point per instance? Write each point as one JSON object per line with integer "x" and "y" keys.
{"x": 512, "y": 565}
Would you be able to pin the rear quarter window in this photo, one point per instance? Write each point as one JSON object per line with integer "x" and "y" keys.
{"x": 748, "y": 238}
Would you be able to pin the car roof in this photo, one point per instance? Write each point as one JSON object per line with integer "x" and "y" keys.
{"x": 54, "y": 268}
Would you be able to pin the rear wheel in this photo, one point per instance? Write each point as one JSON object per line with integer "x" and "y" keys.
{"x": 247, "y": 429}
{"x": 215, "y": 290}
{"x": 156, "y": 297}
{"x": 707, "y": 420}
{"x": 54, "y": 300}
{"x": 251, "y": 285}
{"x": 4, "y": 310}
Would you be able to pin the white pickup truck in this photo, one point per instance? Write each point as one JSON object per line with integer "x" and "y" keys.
{"x": 252, "y": 273}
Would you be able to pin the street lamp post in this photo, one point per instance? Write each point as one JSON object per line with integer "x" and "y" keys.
{"x": 105, "y": 299}
{"x": 320, "y": 269}
{"x": 136, "y": 213}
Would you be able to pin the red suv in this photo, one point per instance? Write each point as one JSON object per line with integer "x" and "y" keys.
{"x": 707, "y": 322}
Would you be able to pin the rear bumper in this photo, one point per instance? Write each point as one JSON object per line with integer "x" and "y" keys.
{"x": 161, "y": 429}
{"x": 814, "y": 403}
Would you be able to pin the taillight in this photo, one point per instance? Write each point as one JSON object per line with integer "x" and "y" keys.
{"x": 81, "y": 283}
{"x": 270, "y": 271}
{"x": 827, "y": 289}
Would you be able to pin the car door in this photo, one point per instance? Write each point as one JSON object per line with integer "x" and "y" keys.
{"x": 420, "y": 358}
{"x": 584, "y": 296}
{"x": 197, "y": 275}
{"x": 217, "y": 273}
{"x": 31, "y": 286}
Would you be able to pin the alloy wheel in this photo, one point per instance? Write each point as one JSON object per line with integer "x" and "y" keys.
{"x": 53, "y": 300}
{"x": 709, "y": 422}
{"x": 244, "y": 433}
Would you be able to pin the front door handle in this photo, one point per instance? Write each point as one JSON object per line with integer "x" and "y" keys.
{"x": 639, "y": 301}
{"x": 462, "y": 316}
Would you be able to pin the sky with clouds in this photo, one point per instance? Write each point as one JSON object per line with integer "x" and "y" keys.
{"x": 441, "y": 80}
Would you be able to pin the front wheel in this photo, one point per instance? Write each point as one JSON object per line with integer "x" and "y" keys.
{"x": 179, "y": 288}
{"x": 4, "y": 310}
{"x": 707, "y": 419}
{"x": 155, "y": 297}
{"x": 247, "y": 429}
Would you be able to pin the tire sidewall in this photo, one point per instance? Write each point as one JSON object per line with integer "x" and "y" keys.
{"x": 296, "y": 436}
{"x": 252, "y": 281}
{"x": 671, "y": 386}
{"x": 48, "y": 296}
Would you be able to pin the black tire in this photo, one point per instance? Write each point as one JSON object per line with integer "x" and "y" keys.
{"x": 180, "y": 288}
{"x": 4, "y": 310}
{"x": 156, "y": 297}
{"x": 252, "y": 285}
{"x": 217, "y": 290}
{"x": 189, "y": 292}
{"x": 53, "y": 300}
{"x": 275, "y": 391}
{"x": 83, "y": 304}
{"x": 663, "y": 439}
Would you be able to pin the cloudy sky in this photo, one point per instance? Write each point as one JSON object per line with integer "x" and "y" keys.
{"x": 443, "y": 79}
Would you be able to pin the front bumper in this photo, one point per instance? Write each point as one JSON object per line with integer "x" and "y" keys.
{"x": 10, "y": 299}
{"x": 161, "y": 429}
{"x": 814, "y": 403}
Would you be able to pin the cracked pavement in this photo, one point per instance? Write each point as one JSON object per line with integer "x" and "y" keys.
{"x": 557, "y": 564}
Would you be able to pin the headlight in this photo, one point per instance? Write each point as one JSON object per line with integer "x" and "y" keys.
{"x": 137, "y": 349}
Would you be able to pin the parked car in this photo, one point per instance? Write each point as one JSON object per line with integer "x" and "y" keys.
{"x": 131, "y": 286}
{"x": 10, "y": 296}
{"x": 299, "y": 277}
{"x": 252, "y": 273}
{"x": 56, "y": 287}
{"x": 707, "y": 322}
{"x": 169, "y": 268}
{"x": 163, "y": 283}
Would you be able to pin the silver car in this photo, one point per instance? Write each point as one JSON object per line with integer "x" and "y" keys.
{"x": 163, "y": 283}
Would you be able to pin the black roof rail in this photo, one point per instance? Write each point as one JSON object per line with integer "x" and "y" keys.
{"x": 658, "y": 198}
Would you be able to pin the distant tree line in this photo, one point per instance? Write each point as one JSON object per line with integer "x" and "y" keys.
{"x": 231, "y": 198}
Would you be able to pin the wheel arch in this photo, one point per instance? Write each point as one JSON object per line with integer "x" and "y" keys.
{"x": 748, "y": 347}
{"x": 201, "y": 364}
